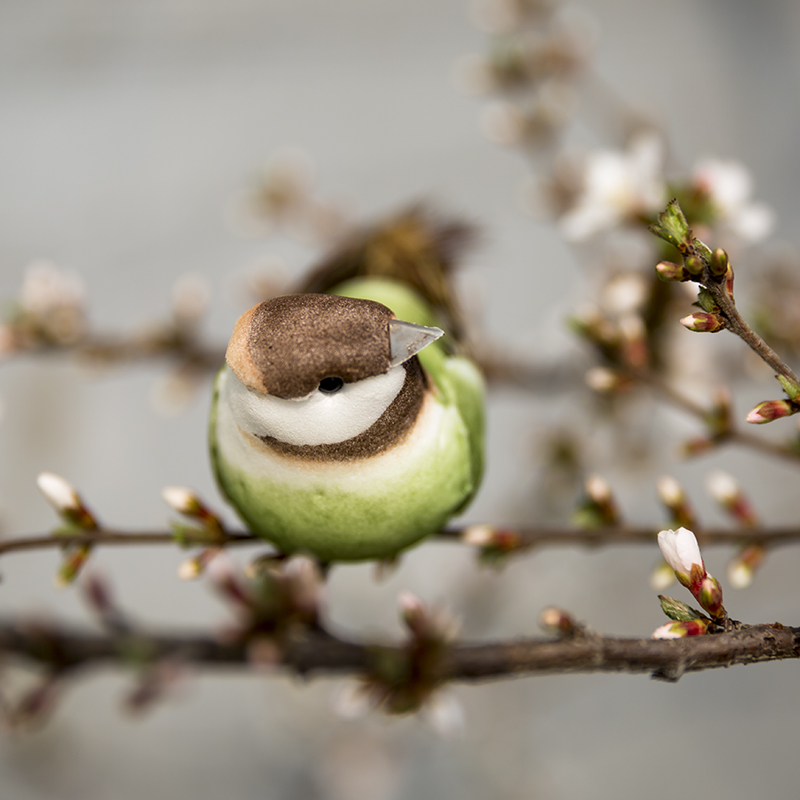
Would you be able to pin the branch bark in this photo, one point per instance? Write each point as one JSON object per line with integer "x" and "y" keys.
{"x": 315, "y": 652}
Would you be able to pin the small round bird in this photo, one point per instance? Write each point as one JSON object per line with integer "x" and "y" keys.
{"x": 341, "y": 426}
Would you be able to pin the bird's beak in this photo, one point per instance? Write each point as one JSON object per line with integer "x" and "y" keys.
{"x": 407, "y": 339}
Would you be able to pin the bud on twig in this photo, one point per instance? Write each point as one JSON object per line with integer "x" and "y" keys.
{"x": 719, "y": 263}
{"x": 680, "y": 630}
{"x": 674, "y": 499}
{"x": 770, "y": 410}
{"x": 742, "y": 567}
{"x": 694, "y": 265}
{"x": 668, "y": 271}
{"x": 703, "y": 322}
{"x": 558, "y": 622}
{"x": 598, "y": 508}
{"x": 710, "y": 597}
{"x": 682, "y": 553}
{"x": 186, "y": 502}
{"x": 66, "y": 501}
{"x": 726, "y": 491}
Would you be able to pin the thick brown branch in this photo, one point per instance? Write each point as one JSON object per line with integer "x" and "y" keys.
{"x": 316, "y": 652}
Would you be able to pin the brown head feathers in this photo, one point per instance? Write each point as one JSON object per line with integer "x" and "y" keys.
{"x": 285, "y": 346}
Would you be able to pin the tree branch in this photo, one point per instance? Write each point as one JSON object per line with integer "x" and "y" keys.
{"x": 516, "y": 539}
{"x": 316, "y": 652}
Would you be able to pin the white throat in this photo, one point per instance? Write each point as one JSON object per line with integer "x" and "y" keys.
{"x": 317, "y": 418}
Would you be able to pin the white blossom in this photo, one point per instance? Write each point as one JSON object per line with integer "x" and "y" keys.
{"x": 617, "y": 186}
{"x": 680, "y": 550}
{"x": 722, "y": 487}
{"x": 669, "y": 490}
{"x": 47, "y": 287}
{"x": 729, "y": 187}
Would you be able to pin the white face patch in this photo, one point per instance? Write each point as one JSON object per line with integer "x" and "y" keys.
{"x": 318, "y": 418}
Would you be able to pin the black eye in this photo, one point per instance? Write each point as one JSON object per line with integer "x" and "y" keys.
{"x": 330, "y": 385}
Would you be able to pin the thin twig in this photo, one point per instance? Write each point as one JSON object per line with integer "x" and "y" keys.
{"x": 519, "y": 538}
{"x": 737, "y": 325}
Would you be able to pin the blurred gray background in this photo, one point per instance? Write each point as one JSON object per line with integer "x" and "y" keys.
{"x": 126, "y": 128}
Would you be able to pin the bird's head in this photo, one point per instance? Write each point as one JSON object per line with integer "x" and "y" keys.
{"x": 324, "y": 375}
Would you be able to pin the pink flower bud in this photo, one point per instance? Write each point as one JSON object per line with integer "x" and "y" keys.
{"x": 770, "y": 410}
{"x": 680, "y": 630}
{"x": 703, "y": 322}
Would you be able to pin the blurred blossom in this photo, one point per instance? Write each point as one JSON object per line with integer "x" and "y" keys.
{"x": 191, "y": 297}
{"x": 47, "y": 288}
{"x": 55, "y": 298}
{"x": 662, "y": 577}
{"x": 503, "y": 123}
{"x": 722, "y": 486}
{"x": 618, "y": 187}
{"x": 624, "y": 294}
{"x": 729, "y": 186}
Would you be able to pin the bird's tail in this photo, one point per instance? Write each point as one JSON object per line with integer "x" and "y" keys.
{"x": 417, "y": 247}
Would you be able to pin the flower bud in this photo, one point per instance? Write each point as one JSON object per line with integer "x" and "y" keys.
{"x": 668, "y": 271}
{"x": 65, "y": 500}
{"x": 604, "y": 380}
{"x": 719, "y": 263}
{"x": 710, "y": 597}
{"x": 770, "y": 410}
{"x": 557, "y": 622}
{"x": 598, "y": 508}
{"x": 181, "y": 499}
{"x": 703, "y": 322}
{"x": 186, "y": 502}
{"x": 680, "y": 630}
{"x": 674, "y": 499}
{"x": 682, "y": 553}
{"x": 694, "y": 265}
{"x": 726, "y": 491}
{"x": 742, "y": 567}
{"x": 478, "y": 535}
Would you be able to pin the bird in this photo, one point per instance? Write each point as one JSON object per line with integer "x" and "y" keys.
{"x": 343, "y": 424}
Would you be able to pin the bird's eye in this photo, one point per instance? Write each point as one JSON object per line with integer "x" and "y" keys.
{"x": 330, "y": 385}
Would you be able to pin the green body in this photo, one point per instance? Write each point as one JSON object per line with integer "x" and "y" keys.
{"x": 371, "y": 507}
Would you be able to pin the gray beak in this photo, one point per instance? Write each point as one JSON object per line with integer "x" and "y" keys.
{"x": 407, "y": 339}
